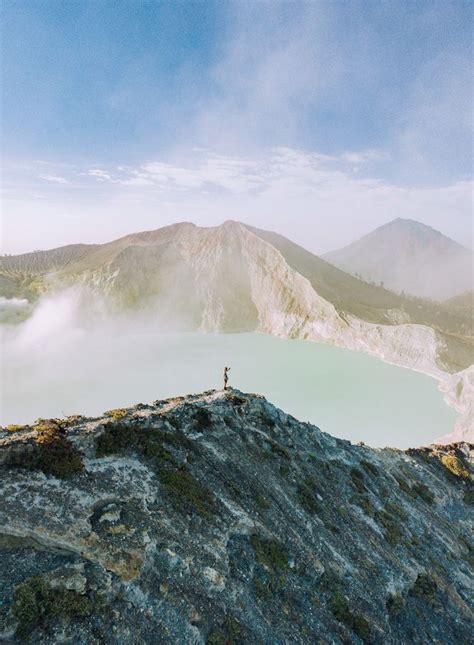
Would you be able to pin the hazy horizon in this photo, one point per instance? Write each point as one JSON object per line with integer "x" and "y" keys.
{"x": 217, "y": 225}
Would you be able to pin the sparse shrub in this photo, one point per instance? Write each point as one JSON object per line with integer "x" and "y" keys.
{"x": 396, "y": 510}
{"x": 119, "y": 438}
{"x": 422, "y": 491}
{"x": 186, "y": 493}
{"x": 157, "y": 453}
{"x": 469, "y": 494}
{"x": 262, "y": 588}
{"x": 393, "y": 532}
{"x": 229, "y": 633}
{"x": 270, "y": 553}
{"x": 115, "y": 439}
{"x": 369, "y": 467}
{"x": 202, "y": 419}
{"x": 36, "y": 604}
{"x": 117, "y": 414}
{"x": 339, "y": 607}
{"x": 262, "y": 501}
{"x": 332, "y": 527}
{"x": 364, "y": 503}
{"x": 13, "y": 427}
{"x": 174, "y": 421}
{"x": 51, "y": 453}
{"x": 284, "y": 470}
{"x": 307, "y": 496}
{"x": 233, "y": 488}
{"x": 455, "y": 466}
{"x": 357, "y": 477}
{"x": 404, "y": 485}
{"x": 424, "y": 587}
{"x": 330, "y": 580}
{"x": 279, "y": 451}
{"x": 395, "y": 604}
{"x": 273, "y": 556}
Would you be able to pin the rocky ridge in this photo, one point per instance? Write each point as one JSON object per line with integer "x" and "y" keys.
{"x": 217, "y": 518}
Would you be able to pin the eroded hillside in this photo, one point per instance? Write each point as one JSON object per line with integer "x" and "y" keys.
{"x": 217, "y": 518}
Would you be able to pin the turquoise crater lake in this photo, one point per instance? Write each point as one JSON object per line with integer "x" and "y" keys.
{"x": 347, "y": 394}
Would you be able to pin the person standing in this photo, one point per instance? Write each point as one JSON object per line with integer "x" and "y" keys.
{"x": 226, "y": 376}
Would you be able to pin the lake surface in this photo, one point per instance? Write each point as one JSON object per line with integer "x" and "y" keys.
{"x": 348, "y": 394}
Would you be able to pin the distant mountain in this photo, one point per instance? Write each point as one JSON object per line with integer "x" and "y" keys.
{"x": 409, "y": 256}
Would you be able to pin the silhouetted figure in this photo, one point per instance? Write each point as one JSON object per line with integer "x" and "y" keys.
{"x": 226, "y": 376}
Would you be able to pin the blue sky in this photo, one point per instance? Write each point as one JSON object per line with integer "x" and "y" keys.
{"x": 119, "y": 116}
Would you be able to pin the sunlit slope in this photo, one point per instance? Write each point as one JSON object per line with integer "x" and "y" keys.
{"x": 452, "y": 319}
{"x": 25, "y": 275}
{"x": 409, "y": 256}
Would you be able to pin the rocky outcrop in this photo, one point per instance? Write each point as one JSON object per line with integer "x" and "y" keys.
{"x": 217, "y": 518}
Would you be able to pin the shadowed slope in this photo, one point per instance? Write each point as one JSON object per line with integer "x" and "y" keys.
{"x": 218, "y": 518}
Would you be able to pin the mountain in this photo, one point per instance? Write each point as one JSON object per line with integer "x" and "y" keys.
{"x": 217, "y": 518}
{"x": 408, "y": 256}
{"x": 237, "y": 278}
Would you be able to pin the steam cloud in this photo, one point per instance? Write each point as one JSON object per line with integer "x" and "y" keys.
{"x": 73, "y": 356}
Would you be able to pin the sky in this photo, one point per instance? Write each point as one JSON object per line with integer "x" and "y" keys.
{"x": 319, "y": 120}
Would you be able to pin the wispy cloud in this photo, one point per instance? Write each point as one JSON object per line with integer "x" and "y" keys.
{"x": 101, "y": 175}
{"x": 54, "y": 179}
{"x": 316, "y": 199}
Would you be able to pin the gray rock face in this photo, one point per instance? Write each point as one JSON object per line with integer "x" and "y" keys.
{"x": 217, "y": 518}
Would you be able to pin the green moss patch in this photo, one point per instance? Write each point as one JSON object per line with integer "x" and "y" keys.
{"x": 340, "y": 609}
{"x": 358, "y": 480}
{"x": 425, "y": 587}
{"x": 369, "y": 467}
{"x": 307, "y": 496}
{"x": 228, "y": 633}
{"x": 186, "y": 493}
{"x": 51, "y": 453}
{"x": 271, "y": 554}
{"x": 423, "y": 492}
{"x": 272, "y": 557}
{"x": 391, "y": 524}
{"x": 202, "y": 420}
{"x": 37, "y": 605}
{"x": 121, "y": 438}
